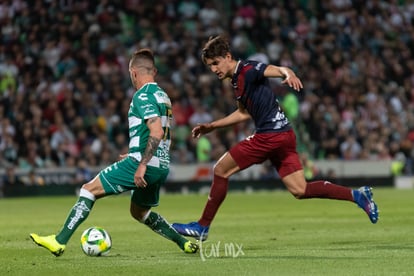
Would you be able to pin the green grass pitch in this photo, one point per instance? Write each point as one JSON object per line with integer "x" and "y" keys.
{"x": 261, "y": 233}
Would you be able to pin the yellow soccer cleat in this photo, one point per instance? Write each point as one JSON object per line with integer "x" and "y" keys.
{"x": 190, "y": 247}
{"x": 50, "y": 243}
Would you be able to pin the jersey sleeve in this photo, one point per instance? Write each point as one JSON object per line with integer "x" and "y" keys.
{"x": 146, "y": 106}
{"x": 256, "y": 71}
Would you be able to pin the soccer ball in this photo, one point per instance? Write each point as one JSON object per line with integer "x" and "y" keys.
{"x": 96, "y": 241}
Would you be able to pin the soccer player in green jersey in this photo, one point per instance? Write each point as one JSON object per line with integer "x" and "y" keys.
{"x": 143, "y": 170}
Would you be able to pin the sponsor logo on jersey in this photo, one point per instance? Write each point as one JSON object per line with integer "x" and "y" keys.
{"x": 162, "y": 97}
{"x": 149, "y": 110}
{"x": 258, "y": 66}
{"x": 143, "y": 97}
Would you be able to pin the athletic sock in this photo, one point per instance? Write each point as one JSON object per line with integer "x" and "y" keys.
{"x": 326, "y": 189}
{"x": 78, "y": 214}
{"x": 160, "y": 226}
{"x": 217, "y": 194}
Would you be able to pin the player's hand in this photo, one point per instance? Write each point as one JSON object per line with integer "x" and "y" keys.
{"x": 201, "y": 129}
{"x": 139, "y": 176}
{"x": 293, "y": 82}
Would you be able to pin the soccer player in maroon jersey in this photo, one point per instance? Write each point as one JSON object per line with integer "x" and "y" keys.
{"x": 274, "y": 138}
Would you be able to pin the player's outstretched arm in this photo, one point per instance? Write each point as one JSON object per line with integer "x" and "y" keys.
{"x": 237, "y": 116}
{"x": 290, "y": 78}
{"x": 201, "y": 129}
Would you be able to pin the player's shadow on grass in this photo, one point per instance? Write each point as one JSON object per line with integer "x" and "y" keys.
{"x": 368, "y": 245}
{"x": 392, "y": 247}
{"x": 296, "y": 257}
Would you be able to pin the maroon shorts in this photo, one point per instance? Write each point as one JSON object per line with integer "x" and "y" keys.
{"x": 279, "y": 148}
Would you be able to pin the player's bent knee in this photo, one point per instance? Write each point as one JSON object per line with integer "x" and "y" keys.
{"x": 87, "y": 194}
{"x": 139, "y": 214}
{"x": 95, "y": 187}
{"x": 224, "y": 172}
{"x": 298, "y": 193}
{"x": 217, "y": 170}
{"x": 299, "y": 196}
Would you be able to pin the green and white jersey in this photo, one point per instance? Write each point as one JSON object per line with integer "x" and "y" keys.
{"x": 148, "y": 102}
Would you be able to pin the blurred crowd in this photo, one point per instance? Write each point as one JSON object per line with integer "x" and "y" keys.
{"x": 65, "y": 88}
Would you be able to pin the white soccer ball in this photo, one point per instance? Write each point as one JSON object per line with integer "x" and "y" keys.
{"x": 96, "y": 241}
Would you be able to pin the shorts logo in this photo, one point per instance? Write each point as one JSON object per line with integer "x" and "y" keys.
{"x": 249, "y": 137}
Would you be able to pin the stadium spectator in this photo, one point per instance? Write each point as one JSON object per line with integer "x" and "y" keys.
{"x": 203, "y": 150}
{"x": 359, "y": 56}
{"x": 33, "y": 179}
{"x": 10, "y": 181}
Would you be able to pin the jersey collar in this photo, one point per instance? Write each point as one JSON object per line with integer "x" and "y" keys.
{"x": 235, "y": 74}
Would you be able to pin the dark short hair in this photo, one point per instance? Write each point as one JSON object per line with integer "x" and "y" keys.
{"x": 215, "y": 47}
{"x": 144, "y": 54}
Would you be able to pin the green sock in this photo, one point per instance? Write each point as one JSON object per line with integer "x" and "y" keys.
{"x": 79, "y": 212}
{"x": 159, "y": 225}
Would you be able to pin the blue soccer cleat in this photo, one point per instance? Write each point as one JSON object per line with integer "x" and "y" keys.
{"x": 363, "y": 197}
{"x": 192, "y": 229}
